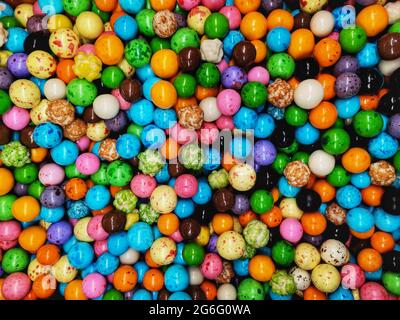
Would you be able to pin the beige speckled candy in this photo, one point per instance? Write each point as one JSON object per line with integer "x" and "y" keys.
{"x": 335, "y": 214}
{"x": 280, "y": 93}
{"x": 108, "y": 149}
{"x": 231, "y": 245}
{"x": 382, "y": 173}
{"x": 163, "y": 251}
{"x": 191, "y": 117}
{"x": 297, "y": 173}
{"x": 164, "y": 24}
{"x": 60, "y": 112}
{"x": 75, "y": 130}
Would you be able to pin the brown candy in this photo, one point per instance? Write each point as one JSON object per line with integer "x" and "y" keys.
{"x": 389, "y": 46}
{"x": 189, "y": 228}
{"x": 191, "y": 117}
{"x": 75, "y": 130}
{"x": 280, "y": 93}
{"x": 130, "y": 90}
{"x": 189, "y": 59}
{"x": 297, "y": 173}
{"x": 108, "y": 149}
{"x": 226, "y": 274}
{"x": 26, "y": 137}
{"x": 302, "y": 21}
{"x": 5, "y": 134}
{"x": 223, "y": 199}
{"x": 113, "y": 221}
{"x": 176, "y": 170}
{"x": 382, "y": 173}
{"x": 164, "y": 24}
{"x": 163, "y": 295}
{"x": 244, "y": 54}
{"x": 89, "y": 116}
{"x": 60, "y": 112}
{"x": 196, "y": 293}
{"x": 335, "y": 214}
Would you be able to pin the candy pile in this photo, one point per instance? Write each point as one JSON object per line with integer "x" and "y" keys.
{"x": 200, "y": 149}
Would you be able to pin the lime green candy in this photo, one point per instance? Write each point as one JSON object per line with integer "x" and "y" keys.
{"x": 335, "y": 141}
{"x": 216, "y": 26}
{"x": 368, "y": 123}
{"x": 183, "y": 38}
{"x": 144, "y": 21}
{"x": 208, "y": 75}
{"x": 281, "y": 65}
{"x": 250, "y": 289}
{"x": 135, "y": 129}
{"x": 76, "y": 7}
{"x": 81, "y": 92}
{"x": 261, "y": 201}
{"x": 254, "y": 94}
{"x": 280, "y": 162}
{"x": 72, "y": 172}
{"x": 112, "y": 77}
{"x": 113, "y": 294}
{"x": 35, "y": 189}
{"x": 26, "y": 174}
{"x": 15, "y": 260}
{"x": 5, "y": 102}
{"x": 158, "y": 44}
{"x": 6, "y": 203}
{"x": 100, "y": 177}
{"x": 339, "y": 177}
{"x": 185, "y": 85}
{"x": 193, "y": 254}
{"x": 296, "y": 116}
{"x": 119, "y": 173}
{"x": 352, "y": 39}
{"x": 283, "y": 253}
{"x": 391, "y": 282}
{"x": 138, "y": 53}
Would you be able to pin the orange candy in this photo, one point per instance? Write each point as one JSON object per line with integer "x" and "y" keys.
{"x": 159, "y": 5}
{"x": 246, "y": 217}
{"x": 312, "y": 293}
{"x": 222, "y": 222}
{"x": 210, "y": 289}
{"x": 324, "y": 115}
{"x": 373, "y": 19}
{"x": 382, "y": 242}
{"x": 328, "y": 83}
{"x": 372, "y": 195}
{"x": 38, "y": 154}
{"x": 369, "y": 102}
{"x": 261, "y": 268}
{"x": 369, "y": 260}
{"x": 168, "y": 223}
{"x": 325, "y": 190}
{"x": 64, "y": 70}
{"x": 7, "y": 181}
{"x": 48, "y": 254}
{"x": 75, "y": 189}
{"x": 261, "y": 50}
{"x": 165, "y": 63}
{"x": 32, "y": 238}
{"x": 109, "y": 49}
{"x": 253, "y": 26}
{"x": 163, "y": 94}
{"x": 356, "y": 160}
{"x": 313, "y": 224}
{"x": 327, "y": 52}
{"x": 280, "y": 18}
{"x": 106, "y": 5}
{"x": 184, "y": 102}
{"x": 44, "y": 286}
{"x": 246, "y": 6}
{"x": 149, "y": 260}
{"x": 153, "y": 280}
{"x": 202, "y": 93}
{"x": 125, "y": 278}
{"x": 74, "y": 291}
{"x": 301, "y": 44}
{"x": 170, "y": 149}
{"x": 272, "y": 218}
{"x": 25, "y": 209}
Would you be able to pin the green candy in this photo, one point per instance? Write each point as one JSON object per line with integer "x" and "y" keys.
{"x": 100, "y": 176}
{"x": 119, "y": 173}
{"x": 282, "y": 283}
{"x": 191, "y": 156}
{"x": 138, "y": 53}
{"x": 125, "y": 201}
{"x": 81, "y": 92}
{"x": 6, "y": 203}
{"x": 15, "y": 260}
{"x": 26, "y": 174}
{"x": 296, "y": 116}
{"x": 281, "y": 65}
{"x": 76, "y": 7}
{"x": 35, "y": 189}
{"x": 158, "y": 44}
{"x": 72, "y": 172}
{"x": 112, "y": 77}
{"x": 183, "y": 38}
{"x": 302, "y": 156}
{"x": 256, "y": 234}
{"x": 10, "y": 22}
{"x": 391, "y": 282}
{"x": 150, "y": 162}
{"x": 395, "y": 27}
{"x": 368, "y": 123}
{"x": 15, "y": 155}
{"x": 104, "y": 16}
{"x": 216, "y": 26}
{"x": 339, "y": 177}
{"x": 147, "y": 213}
{"x": 144, "y": 21}
{"x": 5, "y": 102}
{"x": 185, "y": 85}
{"x": 249, "y": 252}
{"x": 335, "y": 141}
{"x": 396, "y": 161}
{"x": 290, "y": 149}
{"x": 339, "y": 123}
{"x": 135, "y": 129}
{"x": 254, "y": 94}
{"x": 283, "y": 253}
{"x": 218, "y": 179}
{"x": 261, "y": 201}
{"x": 193, "y": 254}
{"x": 208, "y": 75}
{"x": 113, "y": 294}
{"x": 280, "y": 162}
{"x": 352, "y": 39}
{"x": 250, "y": 289}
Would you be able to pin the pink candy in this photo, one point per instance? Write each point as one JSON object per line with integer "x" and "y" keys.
{"x": 9, "y": 230}
{"x": 211, "y": 266}
{"x": 51, "y": 174}
{"x": 233, "y": 15}
{"x": 87, "y": 163}
{"x": 291, "y": 230}
{"x": 258, "y": 74}
{"x": 16, "y": 286}
{"x": 228, "y": 102}
{"x": 143, "y": 185}
{"x": 16, "y": 118}
{"x": 94, "y": 285}
{"x": 95, "y": 229}
{"x": 186, "y": 186}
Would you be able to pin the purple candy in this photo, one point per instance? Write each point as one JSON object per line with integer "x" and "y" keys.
{"x": 264, "y": 152}
{"x": 269, "y": 5}
{"x": 59, "y": 232}
{"x": 35, "y": 23}
{"x": 212, "y": 244}
{"x": 180, "y": 20}
{"x": 347, "y": 85}
{"x": 241, "y": 205}
{"x": 233, "y": 78}
{"x": 16, "y": 63}
{"x": 52, "y": 197}
{"x": 20, "y": 189}
{"x": 394, "y": 126}
{"x": 6, "y": 78}
{"x": 117, "y": 123}
{"x": 314, "y": 240}
{"x": 346, "y": 64}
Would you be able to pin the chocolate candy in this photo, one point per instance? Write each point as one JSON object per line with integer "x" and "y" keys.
{"x": 389, "y": 46}
{"x": 130, "y": 90}
{"x": 26, "y": 137}
{"x": 189, "y": 228}
{"x": 244, "y": 54}
{"x": 223, "y": 199}
{"x": 189, "y": 59}
{"x": 113, "y": 221}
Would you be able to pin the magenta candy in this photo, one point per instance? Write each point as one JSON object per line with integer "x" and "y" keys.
{"x": 51, "y": 174}
{"x": 373, "y": 291}
{"x": 16, "y": 286}
{"x": 95, "y": 229}
{"x": 258, "y": 74}
{"x": 16, "y": 118}
{"x": 8, "y": 244}
{"x": 176, "y": 236}
{"x": 225, "y": 122}
{"x": 143, "y": 185}
{"x": 87, "y": 48}
{"x": 94, "y": 285}
{"x": 228, "y": 102}
{"x": 353, "y": 276}
{"x": 87, "y": 163}
{"x": 83, "y": 143}
{"x": 291, "y": 230}
{"x": 186, "y": 186}
{"x": 233, "y": 15}
{"x": 211, "y": 266}
{"x": 9, "y": 230}
{"x": 188, "y": 4}
{"x": 100, "y": 247}
{"x": 213, "y": 5}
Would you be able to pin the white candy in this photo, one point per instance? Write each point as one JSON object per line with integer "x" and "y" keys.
{"x": 130, "y": 256}
{"x": 322, "y": 23}
{"x": 210, "y": 109}
{"x": 226, "y": 292}
{"x": 393, "y": 10}
{"x": 309, "y": 94}
{"x": 387, "y": 67}
{"x": 211, "y": 50}
{"x": 3, "y": 35}
{"x": 195, "y": 276}
{"x": 106, "y": 106}
{"x": 301, "y": 277}
{"x": 54, "y": 89}
{"x": 321, "y": 163}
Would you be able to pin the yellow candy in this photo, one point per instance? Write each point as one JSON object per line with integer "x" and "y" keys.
{"x": 307, "y": 256}
{"x": 36, "y": 269}
{"x": 236, "y": 225}
{"x": 38, "y": 113}
{"x": 203, "y": 237}
{"x": 24, "y": 94}
{"x": 23, "y": 12}
{"x": 131, "y": 219}
{"x": 89, "y": 25}
{"x": 63, "y": 271}
{"x": 41, "y": 64}
{"x": 4, "y": 54}
{"x": 163, "y": 199}
{"x": 163, "y": 251}
{"x": 87, "y": 66}
{"x": 231, "y": 245}
{"x": 44, "y": 224}
{"x": 325, "y": 277}
{"x": 64, "y": 43}
{"x": 97, "y": 131}
{"x": 80, "y": 230}
{"x": 58, "y": 21}
{"x": 3, "y": 35}
{"x": 197, "y": 18}
{"x": 108, "y": 27}
{"x": 126, "y": 68}
{"x": 290, "y": 209}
